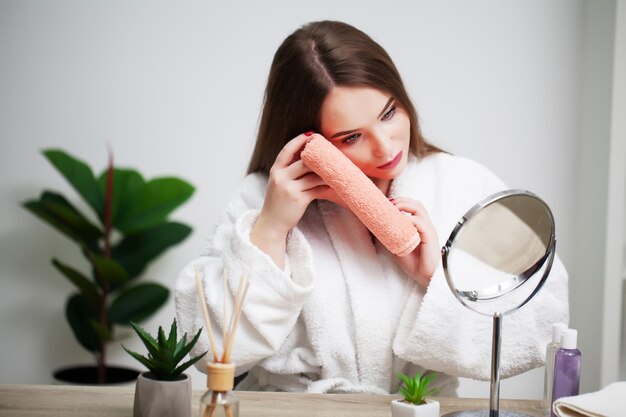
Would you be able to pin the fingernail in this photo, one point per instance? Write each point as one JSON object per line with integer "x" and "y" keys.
{"x": 309, "y": 133}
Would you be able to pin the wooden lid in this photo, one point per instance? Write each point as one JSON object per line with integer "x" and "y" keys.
{"x": 220, "y": 376}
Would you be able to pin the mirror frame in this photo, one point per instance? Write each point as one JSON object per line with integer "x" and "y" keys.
{"x": 546, "y": 261}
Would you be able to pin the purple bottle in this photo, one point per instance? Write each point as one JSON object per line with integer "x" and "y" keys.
{"x": 566, "y": 367}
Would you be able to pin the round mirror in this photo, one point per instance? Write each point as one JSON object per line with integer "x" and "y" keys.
{"x": 496, "y": 259}
{"x": 499, "y": 254}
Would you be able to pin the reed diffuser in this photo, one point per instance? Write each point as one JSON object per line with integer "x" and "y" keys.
{"x": 219, "y": 400}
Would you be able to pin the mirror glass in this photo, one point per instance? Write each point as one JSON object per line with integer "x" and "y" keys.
{"x": 499, "y": 252}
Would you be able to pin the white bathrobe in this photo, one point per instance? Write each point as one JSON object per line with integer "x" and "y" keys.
{"x": 342, "y": 316}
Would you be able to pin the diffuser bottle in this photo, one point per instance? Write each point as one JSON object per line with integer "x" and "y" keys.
{"x": 566, "y": 367}
{"x": 551, "y": 349}
{"x": 219, "y": 400}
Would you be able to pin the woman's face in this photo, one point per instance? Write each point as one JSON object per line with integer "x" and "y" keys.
{"x": 370, "y": 128}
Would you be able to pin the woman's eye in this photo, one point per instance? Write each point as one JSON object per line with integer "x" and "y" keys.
{"x": 389, "y": 113}
{"x": 351, "y": 139}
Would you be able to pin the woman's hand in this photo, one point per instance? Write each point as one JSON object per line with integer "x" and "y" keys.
{"x": 422, "y": 262}
{"x": 291, "y": 188}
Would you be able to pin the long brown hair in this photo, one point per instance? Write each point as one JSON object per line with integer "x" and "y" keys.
{"x": 306, "y": 66}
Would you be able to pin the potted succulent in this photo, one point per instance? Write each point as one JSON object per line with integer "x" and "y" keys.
{"x": 130, "y": 230}
{"x": 164, "y": 390}
{"x": 415, "y": 392}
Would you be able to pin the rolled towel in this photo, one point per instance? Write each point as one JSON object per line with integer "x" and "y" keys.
{"x": 608, "y": 402}
{"x": 392, "y": 228}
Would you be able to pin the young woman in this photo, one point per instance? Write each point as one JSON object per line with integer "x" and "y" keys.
{"x": 329, "y": 308}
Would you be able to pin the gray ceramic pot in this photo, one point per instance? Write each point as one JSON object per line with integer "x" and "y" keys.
{"x": 155, "y": 398}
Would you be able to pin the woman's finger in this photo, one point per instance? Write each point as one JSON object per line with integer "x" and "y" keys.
{"x": 418, "y": 216}
{"x": 410, "y": 206}
{"x": 290, "y": 150}
{"x": 309, "y": 181}
{"x": 297, "y": 169}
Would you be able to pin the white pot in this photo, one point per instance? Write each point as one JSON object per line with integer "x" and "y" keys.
{"x": 154, "y": 398}
{"x": 399, "y": 408}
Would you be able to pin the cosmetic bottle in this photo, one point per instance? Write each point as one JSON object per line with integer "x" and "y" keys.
{"x": 219, "y": 400}
{"x": 566, "y": 367}
{"x": 551, "y": 349}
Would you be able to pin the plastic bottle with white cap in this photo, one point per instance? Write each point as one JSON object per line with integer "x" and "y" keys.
{"x": 551, "y": 349}
{"x": 566, "y": 367}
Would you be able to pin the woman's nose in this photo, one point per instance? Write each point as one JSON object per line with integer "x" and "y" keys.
{"x": 381, "y": 143}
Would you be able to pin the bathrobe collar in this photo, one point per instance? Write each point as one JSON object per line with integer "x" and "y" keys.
{"x": 363, "y": 267}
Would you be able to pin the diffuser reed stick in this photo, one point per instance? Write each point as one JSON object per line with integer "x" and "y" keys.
{"x": 234, "y": 320}
{"x": 223, "y": 374}
{"x": 207, "y": 320}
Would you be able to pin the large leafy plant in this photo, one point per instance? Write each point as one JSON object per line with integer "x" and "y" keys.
{"x": 165, "y": 353}
{"x": 131, "y": 229}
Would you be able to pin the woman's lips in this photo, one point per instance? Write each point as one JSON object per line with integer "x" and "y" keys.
{"x": 393, "y": 163}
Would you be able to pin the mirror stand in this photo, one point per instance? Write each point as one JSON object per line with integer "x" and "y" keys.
{"x": 496, "y": 247}
{"x": 494, "y": 392}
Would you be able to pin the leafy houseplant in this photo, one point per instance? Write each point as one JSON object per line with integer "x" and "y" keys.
{"x": 131, "y": 231}
{"x": 164, "y": 390}
{"x": 416, "y": 391}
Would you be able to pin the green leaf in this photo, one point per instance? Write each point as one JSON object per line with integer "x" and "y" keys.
{"x": 428, "y": 379}
{"x": 127, "y": 186}
{"x": 136, "y": 251}
{"x": 84, "y": 284}
{"x": 137, "y": 303}
{"x": 109, "y": 270}
{"x": 158, "y": 198}
{"x": 171, "y": 339}
{"x": 142, "y": 359}
{"x": 55, "y": 210}
{"x": 80, "y": 314}
{"x": 179, "y": 370}
{"x": 180, "y": 346}
{"x": 405, "y": 379}
{"x": 146, "y": 339}
{"x": 103, "y": 332}
{"x": 161, "y": 339}
{"x": 164, "y": 356}
{"x": 79, "y": 175}
{"x": 182, "y": 351}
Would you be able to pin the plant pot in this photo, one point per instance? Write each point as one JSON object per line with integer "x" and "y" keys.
{"x": 154, "y": 398}
{"x": 399, "y": 408}
{"x": 88, "y": 375}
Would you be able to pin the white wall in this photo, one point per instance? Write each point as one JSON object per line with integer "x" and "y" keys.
{"x": 176, "y": 88}
{"x": 596, "y": 152}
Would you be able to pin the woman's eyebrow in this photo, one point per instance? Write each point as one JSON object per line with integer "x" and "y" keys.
{"x": 386, "y": 106}
{"x": 345, "y": 132}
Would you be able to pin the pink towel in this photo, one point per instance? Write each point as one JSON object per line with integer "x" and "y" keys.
{"x": 367, "y": 202}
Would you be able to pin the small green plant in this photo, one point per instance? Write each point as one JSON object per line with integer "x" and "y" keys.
{"x": 164, "y": 354}
{"x": 416, "y": 389}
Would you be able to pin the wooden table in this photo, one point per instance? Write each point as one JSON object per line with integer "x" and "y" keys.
{"x": 87, "y": 401}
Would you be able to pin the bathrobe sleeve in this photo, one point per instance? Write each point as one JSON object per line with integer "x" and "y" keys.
{"x": 275, "y": 297}
{"x": 437, "y": 332}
